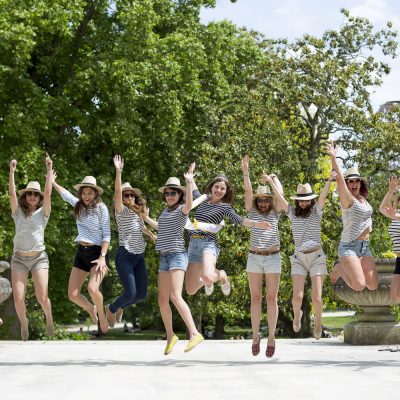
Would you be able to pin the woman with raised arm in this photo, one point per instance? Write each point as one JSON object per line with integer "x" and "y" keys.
{"x": 390, "y": 207}
{"x": 264, "y": 257}
{"x": 308, "y": 257}
{"x": 357, "y": 265}
{"x": 173, "y": 257}
{"x": 131, "y": 267}
{"x": 94, "y": 235}
{"x": 203, "y": 248}
{"x": 30, "y": 211}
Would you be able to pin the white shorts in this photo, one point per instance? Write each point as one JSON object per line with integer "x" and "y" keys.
{"x": 259, "y": 264}
{"x": 313, "y": 263}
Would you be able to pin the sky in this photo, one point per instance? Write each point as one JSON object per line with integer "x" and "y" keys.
{"x": 292, "y": 19}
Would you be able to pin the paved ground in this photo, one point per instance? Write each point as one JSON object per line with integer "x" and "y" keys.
{"x": 300, "y": 369}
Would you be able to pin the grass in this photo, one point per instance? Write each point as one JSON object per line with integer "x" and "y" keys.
{"x": 335, "y": 324}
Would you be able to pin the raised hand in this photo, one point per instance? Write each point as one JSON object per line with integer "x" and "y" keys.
{"x": 189, "y": 176}
{"x": 54, "y": 176}
{"x": 245, "y": 165}
{"x": 331, "y": 149}
{"x": 333, "y": 176}
{"x": 394, "y": 184}
{"x": 13, "y": 165}
{"x": 49, "y": 162}
{"x": 391, "y": 212}
{"x": 118, "y": 162}
{"x": 265, "y": 178}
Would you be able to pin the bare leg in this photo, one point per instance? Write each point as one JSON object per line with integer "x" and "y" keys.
{"x": 369, "y": 269}
{"x": 255, "y": 285}
{"x": 96, "y": 277}
{"x": 193, "y": 275}
{"x": 19, "y": 280}
{"x": 297, "y": 299}
{"x": 272, "y": 283}
{"x": 317, "y": 283}
{"x": 41, "y": 280}
{"x": 350, "y": 269}
{"x": 163, "y": 302}
{"x": 395, "y": 289}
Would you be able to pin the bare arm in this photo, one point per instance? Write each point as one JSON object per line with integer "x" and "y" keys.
{"x": 48, "y": 187}
{"x": 11, "y": 188}
{"x": 325, "y": 191}
{"x": 149, "y": 233}
{"x": 55, "y": 185}
{"x": 386, "y": 202}
{"x": 248, "y": 190}
{"x": 189, "y": 176}
{"x": 251, "y": 223}
{"x": 346, "y": 199}
{"x": 152, "y": 222}
{"x": 273, "y": 181}
{"x": 119, "y": 165}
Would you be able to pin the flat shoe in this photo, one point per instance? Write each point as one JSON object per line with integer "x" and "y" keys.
{"x": 110, "y": 316}
{"x": 170, "y": 345}
{"x": 255, "y": 347}
{"x": 270, "y": 350}
{"x": 226, "y": 287}
{"x": 25, "y": 332}
{"x": 118, "y": 314}
{"x": 317, "y": 333}
{"x": 194, "y": 342}
{"x": 297, "y": 327}
{"x": 93, "y": 315}
{"x": 209, "y": 290}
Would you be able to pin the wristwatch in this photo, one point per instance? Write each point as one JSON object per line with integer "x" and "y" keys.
{"x": 103, "y": 254}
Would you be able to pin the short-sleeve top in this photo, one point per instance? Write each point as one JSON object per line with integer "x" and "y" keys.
{"x": 93, "y": 224}
{"x": 394, "y": 231}
{"x": 130, "y": 228}
{"x": 29, "y": 231}
{"x": 356, "y": 220}
{"x": 264, "y": 238}
{"x": 214, "y": 214}
{"x": 171, "y": 225}
{"x": 306, "y": 230}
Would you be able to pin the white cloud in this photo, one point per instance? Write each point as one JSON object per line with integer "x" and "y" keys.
{"x": 289, "y": 8}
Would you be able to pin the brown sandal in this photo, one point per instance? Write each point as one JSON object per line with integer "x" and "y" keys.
{"x": 270, "y": 350}
{"x": 255, "y": 347}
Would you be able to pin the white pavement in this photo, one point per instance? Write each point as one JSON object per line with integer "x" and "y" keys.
{"x": 138, "y": 370}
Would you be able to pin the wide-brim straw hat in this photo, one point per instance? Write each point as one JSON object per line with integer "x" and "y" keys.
{"x": 172, "y": 183}
{"x": 32, "y": 186}
{"x": 304, "y": 192}
{"x": 127, "y": 186}
{"x": 89, "y": 181}
{"x": 263, "y": 191}
{"x": 352, "y": 173}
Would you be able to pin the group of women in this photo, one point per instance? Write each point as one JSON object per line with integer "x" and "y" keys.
{"x": 197, "y": 266}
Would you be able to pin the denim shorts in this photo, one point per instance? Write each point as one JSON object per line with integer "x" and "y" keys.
{"x": 172, "y": 260}
{"x": 304, "y": 263}
{"x": 259, "y": 264}
{"x": 357, "y": 248}
{"x": 198, "y": 247}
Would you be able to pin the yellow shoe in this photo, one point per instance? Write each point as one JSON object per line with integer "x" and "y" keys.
{"x": 170, "y": 345}
{"x": 194, "y": 342}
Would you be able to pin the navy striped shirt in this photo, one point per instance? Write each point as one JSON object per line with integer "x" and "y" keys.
{"x": 265, "y": 238}
{"x": 214, "y": 214}
{"x": 356, "y": 220}
{"x": 171, "y": 224}
{"x": 394, "y": 231}
{"x": 130, "y": 228}
{"x": 93, "y": 224}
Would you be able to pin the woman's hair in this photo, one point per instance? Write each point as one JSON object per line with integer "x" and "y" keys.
{"x": 269, "y": 210}
{"x": 180, "y": 200}
{"x": 303, "y": 212}
{"x": 138, "y": 206}
{"x": 25, "y": 207}
{"x": 80, "y": 205}
{"x": 363, "y": 188}
{"x": 229, "y": 195}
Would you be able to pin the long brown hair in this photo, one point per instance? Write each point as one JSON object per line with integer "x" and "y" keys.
{"x": 25, "y": 207}
{"x": 270, "y": 209}
{"x": 303, "y": 212}
{"x": 80, "y": 205}
{"x": 229, "y": 195}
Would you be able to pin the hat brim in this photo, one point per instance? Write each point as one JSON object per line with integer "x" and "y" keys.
{"x": 136, "y": 191}
{"x": 22, "y": 191}
{"x": 182, "y": 188}
{"x": 303, "y": 198}
{"x": 363, "y": 178}
{"x": 255, "y": 196}
{"x": 81, "y": 185}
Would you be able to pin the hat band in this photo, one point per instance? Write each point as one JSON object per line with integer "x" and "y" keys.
{"x": 172, "y": 185}
{"x": 352, "y": 176}
{"x": 304, "y": 194}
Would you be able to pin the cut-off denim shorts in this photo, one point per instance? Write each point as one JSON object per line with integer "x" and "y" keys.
{"x": 260, "y": 264}
{"x": 198, "y": 247}
{"x": 173, "y": 260}
{"x": 357, "y": 248}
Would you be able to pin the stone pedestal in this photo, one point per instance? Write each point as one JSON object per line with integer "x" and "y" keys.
{"x": 375, "y": 325}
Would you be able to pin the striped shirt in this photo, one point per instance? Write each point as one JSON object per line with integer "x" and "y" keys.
{"x": 130, "y": 227}
{"x": 171, "y": 224}
{"x": 306, "y": 230}
{"x": 264, "y": 238}
{"x": 215, "y": 214}
{"x": 394, "y": 231}
{"x": 356, "y": 220}
{"x": 93, "y": 224}
{"x": 29, "y": 231}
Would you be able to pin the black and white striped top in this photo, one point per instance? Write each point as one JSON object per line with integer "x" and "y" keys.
{"x": 130, "y": 228}
{"x": 394, "y": 231}
{"x": 171, "y": 225}
{"x": 306, "y": 230}
{"x": 214, "y": 214}
{"x": 93, "y": 224}
{"x": 356, "y": 220}
{"x": 265, "y": 238}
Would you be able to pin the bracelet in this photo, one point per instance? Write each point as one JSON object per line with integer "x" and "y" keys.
{"x": 245, "y": 175}
{"x": 119, "y": 170}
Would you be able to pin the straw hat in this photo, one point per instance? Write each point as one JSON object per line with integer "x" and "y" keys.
{"x": 172, "y": 183}
{"x": 127, "y": 186}
{"x": 304, "y": 192}
{"x": 33, "y": 186}
{"x": 263, "y": 191}
{"x": 352, "y": 173}
{"x": 89, "y": 181}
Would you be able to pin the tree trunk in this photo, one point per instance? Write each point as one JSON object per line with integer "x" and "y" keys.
{"x": 219, "y": 326}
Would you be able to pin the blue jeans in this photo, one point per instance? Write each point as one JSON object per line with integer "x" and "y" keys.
{"x": 358, "y": 248}
{"x": 132, "y": 273}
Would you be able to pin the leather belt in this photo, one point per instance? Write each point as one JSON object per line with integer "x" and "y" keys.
{"x": 198, "y": 237}
{"x": 264, "y": 252}
{"x": 311, "y": 250}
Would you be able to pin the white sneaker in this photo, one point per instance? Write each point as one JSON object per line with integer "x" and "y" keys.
{"x": 226, "y": 288}
{"x": 209, "y": 290}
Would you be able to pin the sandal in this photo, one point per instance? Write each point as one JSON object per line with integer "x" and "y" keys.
{"x": 255, "y": 347}
{"x": 297, "y": 326}
{"x": 270, "y": 350}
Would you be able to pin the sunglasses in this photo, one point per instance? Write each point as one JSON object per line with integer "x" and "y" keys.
{"x": 172, "y": 194}
{"x": 131, "y": 195}
{"x": 36, "y": 194}
{"x": 263, "y": 200}
{"x": 353, "y": 180}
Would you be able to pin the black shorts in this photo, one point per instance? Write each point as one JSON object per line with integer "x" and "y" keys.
{"x": 85, "y": 255}
{"x": 397, "y": 268}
